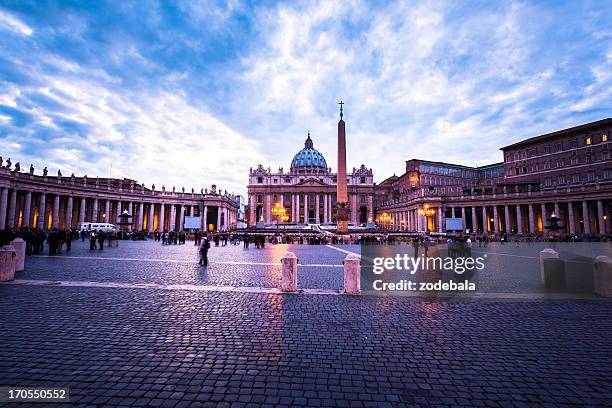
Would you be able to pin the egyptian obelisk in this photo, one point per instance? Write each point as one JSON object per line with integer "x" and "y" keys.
{"x": 341, "y": 193}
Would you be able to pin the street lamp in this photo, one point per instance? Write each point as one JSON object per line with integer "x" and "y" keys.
{"x": 427, "y": 212}
{"x": 280, "y": 214}
{"x": 384, "y": 218}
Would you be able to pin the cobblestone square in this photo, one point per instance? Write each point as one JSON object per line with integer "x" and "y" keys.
{"x": 135, "y": 345}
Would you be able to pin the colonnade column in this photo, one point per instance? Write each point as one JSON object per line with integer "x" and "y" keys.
{"x": 182, "y": 218}
{"x": 150, "y": 217}
{"x": 172, "y": 223}
{"x": 12, "y": 205}
{"x": 107, "y": 211}
{"x": 205, "y": 218}
{"x": 557, "y": 210}
{"x": 440, "y": 218}
{"x": 40, "y": 222}
{"x": 94, "y": 217}
{"x": 601, "y": 223}
{"x": 485, "y": 220}
{"x": 140, "y": 226}
{"x": 463, "y": 220}
{"x": 474, "y": 221}
{"x": 586, "y": 219}
{"x": 317, "y": 203}
{"x": 572, "y": 220}
{"x": 69, "y": 205}
{"x": 544, "y": 217}
{"x": 3, "y": 205}
{"x": 82, "y": 209}
{"x": 507, "y": 226}
{"x": 161, "y": 224}
{"x": 519, "y": 219}
{"x": 27, "y": 209}
{"x": 531, "y": 219}
{"x": 219, "y": 215}
{"x": 495, "y": 219}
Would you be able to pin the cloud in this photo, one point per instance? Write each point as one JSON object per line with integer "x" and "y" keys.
{"x": 12, "y": 23}
{"x": 197, "y": 93}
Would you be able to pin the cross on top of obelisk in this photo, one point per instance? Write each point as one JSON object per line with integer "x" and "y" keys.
{"x": 341, "y": 103}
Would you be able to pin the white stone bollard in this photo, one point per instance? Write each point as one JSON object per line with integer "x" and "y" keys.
{"x": 7, "y": 263}
{"x": 547, "y": 253}
{"x": 289, "y": 272}
{"x": 602, "y": 275}
{"x": 20, "y": 249}
{"x": 352, "y": 274}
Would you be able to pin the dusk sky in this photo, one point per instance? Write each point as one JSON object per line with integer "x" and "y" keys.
{"x": 196, "y": 93}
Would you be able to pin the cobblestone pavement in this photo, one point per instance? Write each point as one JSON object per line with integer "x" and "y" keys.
{"x": 134, "y": 347}
{"x": 508, "y": 268}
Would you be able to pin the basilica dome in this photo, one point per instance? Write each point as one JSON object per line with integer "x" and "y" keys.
{"x": 308, "y": 157}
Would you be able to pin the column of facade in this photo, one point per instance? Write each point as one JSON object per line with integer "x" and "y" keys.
{"x": 508, "y": 225}
{"x": 544, "y": 217}
{"x": 94, "y": 217}
{"x": 571, "y": 219}
{"x": 40, "y": 222}
{"x": 55, "y": 213}
{"x": 107, "y": 212}
{"x": 586, "y": 218}
{"x": 161, "y": 219}
{"x": 317, "y": 203}
{"x": 268, "y": 215}
{"x": 325, "y": 203}
{"x": 519, "y": 219}
{"x": 182, "y": 218}
{"x": 219, "y": 214}
{"x": 3, "y": 205}
{"x": 27, "y": 209}
{"x": 531, "y": 219}
{"x": 150, "y": 217}
{"x": 82, "y": 209}
{"x": 306, "y": 208}
{"x": 485, "y": 220}
{"x": 140, "y": 225}
{"x": 557, "y": 210}
{"x": 69, "y": 208}
{"x": 440, "y": 219}
{"x": 601, "y": 223}
{"x": 463, "y": 220}
{"x": 172, "y": 224}
{"x": 205, "y": 218}
{"x": 495, "y": 219}
{"x": 474, "y": 221}
{"x": 12, "y": 208}
{"x": 297, "y": 208}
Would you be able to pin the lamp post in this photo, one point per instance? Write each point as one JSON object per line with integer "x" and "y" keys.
{"x": 427, "y": 212}
{"x": 384, "y": 218}
{"x": 280, "y": 214}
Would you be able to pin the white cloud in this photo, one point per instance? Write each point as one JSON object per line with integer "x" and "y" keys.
{"x": 12, "y": 23}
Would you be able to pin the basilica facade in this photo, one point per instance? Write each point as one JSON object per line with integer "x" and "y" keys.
{"x": 307, "y": 192}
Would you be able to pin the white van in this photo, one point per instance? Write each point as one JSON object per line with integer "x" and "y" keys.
{"x": 97, "y": 226}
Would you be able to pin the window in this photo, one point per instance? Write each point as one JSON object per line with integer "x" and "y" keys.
{"x": 604, "y": 137}
{"x": 591, "y": 176}
{"x": 559, "y": 147}
{"x": 588, "y": 140}
{"x": 546, "y": 149}
{"x": 259, "y": 180}
{"x": 259, "y": 198}
{"x": 607, "y": 174}
{"x": 362, "y": 180}
{"x": 573, "y": 144}
{"x": 275, "y": 181}
{"x": 561, "y": 180}
{"x": 575, "y": 178}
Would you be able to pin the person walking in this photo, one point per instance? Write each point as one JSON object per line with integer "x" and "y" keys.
{"x": 204, "y": 252}
{"x": 101, "y": 239}
{"x": 92, "y": 240}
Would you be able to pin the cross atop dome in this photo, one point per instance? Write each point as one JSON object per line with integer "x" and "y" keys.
{"x": 341, "y": 103}
{"x": 308, "y": 143}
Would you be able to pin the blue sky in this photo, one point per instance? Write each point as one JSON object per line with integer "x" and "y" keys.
{"x": 195, "y": 93}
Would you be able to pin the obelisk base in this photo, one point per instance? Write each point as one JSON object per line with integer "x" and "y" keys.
{"x": 342, "y": 220}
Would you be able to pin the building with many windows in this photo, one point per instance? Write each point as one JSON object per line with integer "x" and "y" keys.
{"x": 567, "y": 173}
{"x": 307, "y": 192}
